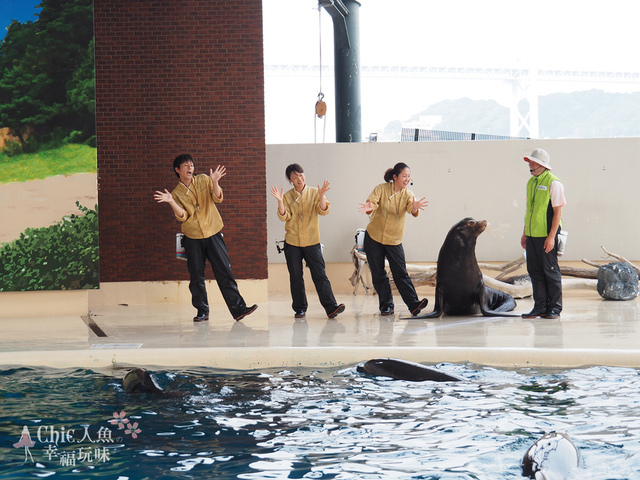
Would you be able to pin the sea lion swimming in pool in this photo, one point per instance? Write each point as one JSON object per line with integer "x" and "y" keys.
{"x": 140, "y": 380}
{"x": 551, "y": 457}
{"x": 460, "y": 289}
{"x": 404, "y": 370}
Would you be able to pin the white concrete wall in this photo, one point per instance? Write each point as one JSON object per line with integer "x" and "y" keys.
{"x": 480, "y": 179}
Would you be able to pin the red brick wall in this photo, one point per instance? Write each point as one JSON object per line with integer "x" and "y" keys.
{"x": 178, "y": 77}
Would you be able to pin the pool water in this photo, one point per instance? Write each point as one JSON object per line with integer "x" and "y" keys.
{"x": 323, "y": 424}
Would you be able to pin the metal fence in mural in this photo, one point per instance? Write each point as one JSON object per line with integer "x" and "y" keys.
{"x": 49, "y": 219}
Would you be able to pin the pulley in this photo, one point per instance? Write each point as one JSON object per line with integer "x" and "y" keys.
{"x": 321, "y": 106}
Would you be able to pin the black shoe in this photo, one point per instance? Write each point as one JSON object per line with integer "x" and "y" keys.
{"x": 338, "y": 310}
{"x": 534, "y": 314}
{"x": 553, "y": 315}
{"x": 246, "y": 311}
{"x": 201, "y": 317}
{"x": 385, "y": 312}
{"x": 299, "y": 314}
{"x": 416, "y": 310}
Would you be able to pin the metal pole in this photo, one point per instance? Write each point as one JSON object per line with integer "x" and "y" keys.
{"x": 346, "y": 44}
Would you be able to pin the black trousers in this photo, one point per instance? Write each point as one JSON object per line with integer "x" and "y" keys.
{"x": 546, "y": 279}
{"x": 312, "y": 255}
{"x": 376, "y": 253}
{"x": 212, "y": 249}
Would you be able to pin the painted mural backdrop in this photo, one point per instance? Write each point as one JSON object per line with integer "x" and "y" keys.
{"x": 48, "y": 210}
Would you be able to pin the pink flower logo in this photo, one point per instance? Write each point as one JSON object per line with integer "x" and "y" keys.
{"x": 133, "y": 430}
{"x": 118, "y": 419}
{"x": 124, "y": 423}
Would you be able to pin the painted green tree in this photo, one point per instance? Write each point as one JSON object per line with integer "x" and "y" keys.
{"x": 47, "y": 101}
{"x": 47, "y": 87}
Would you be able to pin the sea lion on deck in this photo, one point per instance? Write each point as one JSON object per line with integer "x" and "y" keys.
{"x": 552, "y": 457}
{"x": 404, "y": 370}
{"x": 139, "y": 380}
{"x": 460, "y": 289}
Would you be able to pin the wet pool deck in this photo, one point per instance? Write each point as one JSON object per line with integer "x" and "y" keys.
{"x": 591, "y": 331}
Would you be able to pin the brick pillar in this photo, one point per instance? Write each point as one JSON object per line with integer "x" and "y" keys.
{"x": 171, "y": 78}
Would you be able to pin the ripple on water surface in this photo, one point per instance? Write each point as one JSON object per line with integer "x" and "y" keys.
{"x": 333, "y": 423}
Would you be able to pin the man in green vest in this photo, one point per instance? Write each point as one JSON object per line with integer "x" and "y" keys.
{"x": 542, "y": 222}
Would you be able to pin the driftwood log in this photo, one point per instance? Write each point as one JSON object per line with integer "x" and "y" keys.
{"x": 518, "y": 286}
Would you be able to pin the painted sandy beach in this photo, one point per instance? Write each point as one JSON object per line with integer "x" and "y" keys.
{"x": 41, "y": 203}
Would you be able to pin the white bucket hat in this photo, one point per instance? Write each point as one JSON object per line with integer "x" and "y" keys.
{"x": 539, "y": 156}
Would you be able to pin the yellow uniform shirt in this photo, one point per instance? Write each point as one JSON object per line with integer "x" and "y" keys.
{"x": 386, "y": 224}
{"x": 201, "y": 219}
{"x": 302, "y": 225}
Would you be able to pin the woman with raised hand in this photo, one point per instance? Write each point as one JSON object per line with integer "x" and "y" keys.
{"x": 388, "y": 206}
{"x": 300, "y": 209}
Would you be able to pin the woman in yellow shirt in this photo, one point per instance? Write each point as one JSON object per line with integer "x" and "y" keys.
{"x": 299, "y": 208}
{"x": 388, "y": 206}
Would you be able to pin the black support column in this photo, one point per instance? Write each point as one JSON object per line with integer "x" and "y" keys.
{"x": 346, "y": 46}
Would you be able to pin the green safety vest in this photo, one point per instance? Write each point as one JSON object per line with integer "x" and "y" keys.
{"x": 537, "y": 220}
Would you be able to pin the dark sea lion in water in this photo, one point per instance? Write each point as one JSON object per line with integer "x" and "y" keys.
{"x": 460, "y": 289}
{"x": 552, "y": 457}
{"x": 404, "y": 370}
{"x": 139, "y": 380}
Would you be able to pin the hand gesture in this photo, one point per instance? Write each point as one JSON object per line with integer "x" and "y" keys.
{"x": 324, "y": 189}
{"x": 279, "y": 194}
{"x": 419, "y": 204}
{"x": 216, "y": 175}
{"x": 365, "y": 208}
{"x": 162, "y": 197}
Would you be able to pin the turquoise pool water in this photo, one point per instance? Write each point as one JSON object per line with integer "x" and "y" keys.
{"x": 323, "y": 424}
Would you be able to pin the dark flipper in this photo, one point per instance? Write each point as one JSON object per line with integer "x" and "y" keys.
{"x": 405, "y": 370}
{"x": 494, "y": 303}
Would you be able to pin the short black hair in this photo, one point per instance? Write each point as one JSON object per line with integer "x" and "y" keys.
{"x": 294, "y": 167}
{"x": 180, "y": 159}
